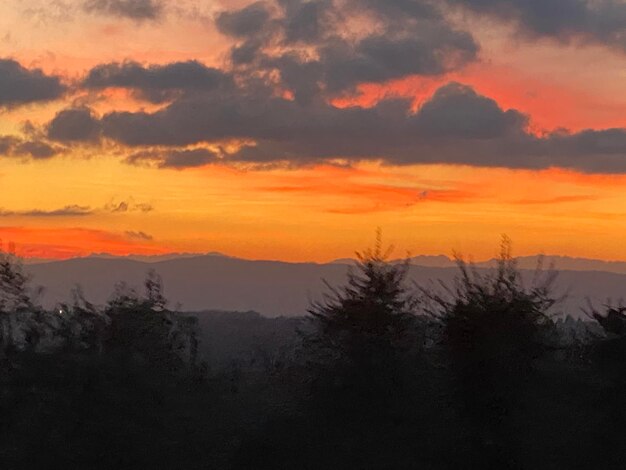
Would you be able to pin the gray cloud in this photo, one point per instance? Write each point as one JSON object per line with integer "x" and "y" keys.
{"x": 12, "y": 146}
{"x": 75, "y": 210}
{"x": 67, "y": 211}
{"x": 158, "y": 83}
{"x": 601, "y": 21}
{"x": 127, "y": 206}
{"x": 455, "y": 111}
{"x": 133, "y": 235}
{"x": 133, "y": 9}
{"x": 19, "y": 85}
{"x": 247, "y": 21}
{"x": 380, "y": 58}
{"x": 176, "y": 159}
{"x": 411, "y": 38}
{"x": 306, "y": 21}
{"x": 74, "y": 125}
{"x": 456, "y": 125}
{"x": 7, "y": 143}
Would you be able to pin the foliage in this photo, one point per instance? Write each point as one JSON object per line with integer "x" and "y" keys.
{"x": 494, "y": 331}
{"x": 14, "y": 295}
{"x": 363, "y": 331}
{"x": 117, "y": 389}
{"x": 492, "y": 322}
{"x": 142, "y": 327}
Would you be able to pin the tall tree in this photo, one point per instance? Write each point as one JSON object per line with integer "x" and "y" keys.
{"x": 361, "y": 330}
{"x": 494, "y": 330}
{"x": 14, "y": 297}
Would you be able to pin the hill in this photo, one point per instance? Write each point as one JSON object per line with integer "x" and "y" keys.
{"x": 272, "y": 288}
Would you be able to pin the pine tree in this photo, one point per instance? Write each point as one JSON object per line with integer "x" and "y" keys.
{"x": 494, "y": 331}
{"x": 14, "y": 298}
{"x": 362, "y": 329}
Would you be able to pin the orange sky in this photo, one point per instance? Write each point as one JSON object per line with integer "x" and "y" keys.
{"x": 315, "y": 212}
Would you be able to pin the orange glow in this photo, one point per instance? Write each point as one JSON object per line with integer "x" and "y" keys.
{"x": 315, "y": 212}
{"x": 63, "y": 243}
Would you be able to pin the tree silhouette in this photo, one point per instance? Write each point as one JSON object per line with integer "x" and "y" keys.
{"x": 143, "y": 328}
{"x": 494, "y": 330}
{"x": 83, "y": 325}
{"x": 361, "y": 329}
{"x": 14, "y": 298}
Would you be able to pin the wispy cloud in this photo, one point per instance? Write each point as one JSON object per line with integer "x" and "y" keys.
{"x": 75, "y": 210}
{"x": 132, "y": 235}
{"x": 67, "y": 211}
{"x": 127, "y": 206}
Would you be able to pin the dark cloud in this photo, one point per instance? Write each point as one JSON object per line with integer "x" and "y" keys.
{"x": 398, "y": 9}
{"x": 133, "y": 9}
{"x": 245, "y": 22}
{"x": 454, "y": 112}
{"x": 7, "y": 144}
{"x": 306, "y": 21}
{"x": 457, "y": 111}
{"x": 129, "y": 205}
{"x": 74, "y": 125}
{"x": 158, "y": 83}
{"x": 36, "y": 149}
{"x": 76, "y": 210}
{"x": 12, "y": 146}
{"x": 19, "y": 85}
{"x": 176, "y": 159}
{"x": 67, "y": 211}
{"x": 409, "y": 38}
{"x": 380, "y": 58}
{"x": 455, "y": 126}
{"x": 138, "y": 235}
{"x": 601, "y": 21}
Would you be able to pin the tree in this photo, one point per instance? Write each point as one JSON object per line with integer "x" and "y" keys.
{"x": 494, "y": 330}
{"x": 361, "y": 330}
{"x": 83, "y": 325}
{"x": 142, "y": 326}
{"x": 14, "y": 298}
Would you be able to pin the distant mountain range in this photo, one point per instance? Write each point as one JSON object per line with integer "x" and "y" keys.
{"x": 274, "y": 288}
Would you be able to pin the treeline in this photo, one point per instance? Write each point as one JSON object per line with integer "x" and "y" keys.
{"x": 381, "y": 374}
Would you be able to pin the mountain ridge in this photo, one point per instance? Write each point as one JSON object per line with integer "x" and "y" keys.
{"x": 273, "y": 288}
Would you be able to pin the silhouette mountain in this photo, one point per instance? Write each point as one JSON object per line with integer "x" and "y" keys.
{"x": 276, "y": 288}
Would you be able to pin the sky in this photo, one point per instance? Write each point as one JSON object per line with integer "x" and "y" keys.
{"x": 293, "y": 129}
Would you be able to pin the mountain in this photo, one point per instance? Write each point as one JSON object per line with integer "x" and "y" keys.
{"x": 562, "y": 263}
{"x": 272, "y": 288}
{"x": 154, "y": 258}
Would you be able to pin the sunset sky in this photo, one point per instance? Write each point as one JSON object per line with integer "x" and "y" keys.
{"x": 292, "y": 129}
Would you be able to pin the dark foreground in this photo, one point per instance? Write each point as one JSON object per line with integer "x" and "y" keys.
{"x": 380, "y": 376}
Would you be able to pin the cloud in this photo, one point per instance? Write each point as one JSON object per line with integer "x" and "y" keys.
{"x": 67, "y": 211}
{"x": 138, "y": 235}
{"x": 20, "y": 86}
{"x": 455, "y": 126}
{"x": 74, "y": 125}
{"x": 138, "y": 10}
{"x": 312, "y": 51}
{"x": 454, "y": 112}
{"x": 127, "y": 206}
{"x": 457, "y": 111}
{"x": 157, "y": 83}
{"x": 176, "y": 159}
{"x": 75, "y": 210}
{"x": 12, "y": 146}
{"x": 584, "y": 21}
{"x": 245, "y": 22}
